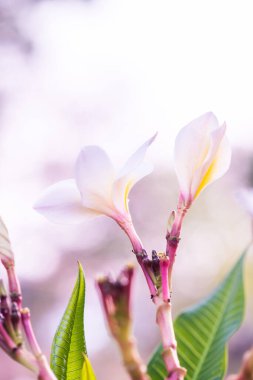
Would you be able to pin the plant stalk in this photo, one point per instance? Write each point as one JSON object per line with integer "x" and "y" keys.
{"x": 137, "y": 245}
{"x": 163, "y": 314}
{"x": 173, "y": 238}
{"x": 170, "y": 357}
{"x": 14, "y": 284}
{"x": 132, "y": 361}
{"x": 45, "y": 372}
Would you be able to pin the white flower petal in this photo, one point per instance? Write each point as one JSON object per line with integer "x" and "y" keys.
{"x": 98, "y": 203}
{"x": 122, "y": 186}
{"x": 133, "y": 171}
{"x": 192, "y": 147}
{"x": 245, "y": 197}
{"x": 216, "y": 163}
{"x": 94, "y": 177}
{"x": 142, "y": 171}
{"x": 135, "y": 159}
{"x": 61, "y": 203}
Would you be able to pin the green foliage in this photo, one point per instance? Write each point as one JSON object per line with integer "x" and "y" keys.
{"x": 203, "y": 331}
{"x": 87, "y": 371}
{"x": 68, "y": 348}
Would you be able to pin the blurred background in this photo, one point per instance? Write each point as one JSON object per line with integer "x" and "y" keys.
{"x": 111, "y": 73}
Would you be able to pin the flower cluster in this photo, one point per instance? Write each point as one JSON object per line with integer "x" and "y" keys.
{"x": 202, "y": 155}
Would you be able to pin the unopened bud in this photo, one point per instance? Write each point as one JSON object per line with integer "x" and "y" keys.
{"x": 116, "y": 298}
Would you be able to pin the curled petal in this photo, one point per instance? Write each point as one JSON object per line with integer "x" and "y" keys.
{"x": 123, "y": 185}
{"x": 94, "y": 177}
{"x": 136, "y": 159}
{"x": 191, "y": 148}
{"x": 132, "y": 172}
{"x": 216, "y": 163}
{"x": 61, "y": 203}
{"x": 202, "y": 154}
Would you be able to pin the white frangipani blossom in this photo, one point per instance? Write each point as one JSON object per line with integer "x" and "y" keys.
{"x": 202, "y": 155}
{"x": 245, "y": 197}
{"x": 97, "y": 188}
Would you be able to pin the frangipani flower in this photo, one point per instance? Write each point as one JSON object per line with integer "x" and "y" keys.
{"x": 202, "y": 155}
{"x": 245, "y": 197}
{"x": 97, "y": 188}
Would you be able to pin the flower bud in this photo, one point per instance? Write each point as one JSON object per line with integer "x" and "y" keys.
{"x": 116, "y": 298}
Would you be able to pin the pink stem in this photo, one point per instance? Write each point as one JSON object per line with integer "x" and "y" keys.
{"x": 173, "y": 238}
{"x": 14, "y": 284}
{"x": 134, "y": 365}
{"x": 6, "y": 338}
{"x": 164, "y": 316}
{"x": 45, "y": 372}
{"x": 128, "y": 228}
{"x": 164, "y": 319}
{"x": 18, "y": 354}
{"x": 26, "y": 319}
{"x": 164, "y": 268}
{"x": 165, "y": 323}
{"x": 4, "y": 346}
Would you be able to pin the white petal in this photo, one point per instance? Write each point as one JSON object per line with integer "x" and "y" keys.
{"x": 122, "y": 186}
{"x": 245, "y": 197}
{"x": 133, "y": 171}
{"x": 140, "y": 172}
{"x": 94, "y": 177}
{"x": 98, "y": 203}
{"x": 216, "y": 163}
{"x": 61, "y": 203}
{"x": 192, "y": 147}
{"x": 136, "y": 158}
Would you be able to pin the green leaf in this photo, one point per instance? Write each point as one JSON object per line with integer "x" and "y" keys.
{"x": 87, "y": 371}
{"x": 203, "y": 331}
{"x": 68, "y": 348}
